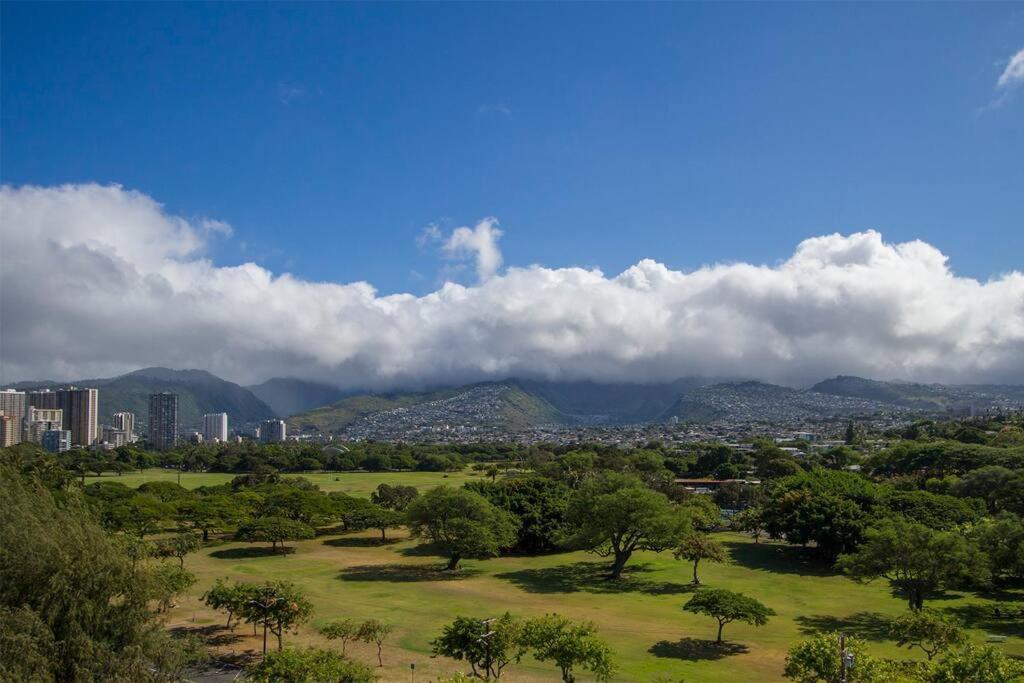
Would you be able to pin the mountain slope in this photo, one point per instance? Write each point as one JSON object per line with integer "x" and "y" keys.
{"x": 927, "y": 397}
{"x": 613, "y": 403}
{"x": 289, "y": 396}
{"x": 501, "y": 405}
{"x": 198, "y": 391}
{"x": 760, "y": 402}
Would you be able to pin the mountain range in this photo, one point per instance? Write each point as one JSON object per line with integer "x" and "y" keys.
{"x": 514, "y": 404}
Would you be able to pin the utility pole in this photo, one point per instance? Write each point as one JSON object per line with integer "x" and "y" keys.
{"x": 484, "y": 639}
{"x": 845, "y": 659}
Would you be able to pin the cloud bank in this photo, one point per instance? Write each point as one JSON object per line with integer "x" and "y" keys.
{"x": 99, "y": 280}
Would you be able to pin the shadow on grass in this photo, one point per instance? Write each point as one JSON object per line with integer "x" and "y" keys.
{"x": 404, "y": 573}
{"x": 214, "y": 635}
{"x": 866, "y": 625}
{"x": 359, "y": 542}
{"x": 696, "y": 649}
{"x": 422, "y": 550}
{"x": 247, "y": 552}
{"x": 591, "y": 577}
{"x": 777, "y": 558}
{"x": 997, "y": 618}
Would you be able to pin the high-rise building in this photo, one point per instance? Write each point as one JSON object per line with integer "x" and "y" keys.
{"x": 13, "y": 404}
{"x": 7, "y": 430}
{"x": 114, "y": 437}
{"x": 41, "y": 420}
{"x": 57, "y": 440}
{"x": 163, "y": 420}
{"x": 81, "y": 411}
{"x": 126, "y": 423}
{"x": 81, "y": 414}
{"x": 215, "y": 427}
{"x": 273, "y": 431}
{"x": 44, "y": 398}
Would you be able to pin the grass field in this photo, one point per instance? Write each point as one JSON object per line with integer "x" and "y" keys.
{"x": 355, "y": 483}
{"x": 401, "y": 582}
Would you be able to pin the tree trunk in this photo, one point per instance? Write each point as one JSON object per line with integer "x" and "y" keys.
{"x": 720, "y": 625}
{"x": 383, "y": 536}
{"x": 621, "y": 558}
{"x": 453, "y": 562}
{"x": 380, "y": 660}
{"x": 696, "y": 579}
{"x": 206, "y": 535}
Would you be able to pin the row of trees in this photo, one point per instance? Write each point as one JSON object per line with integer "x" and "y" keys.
{"x": 490, "y": 645}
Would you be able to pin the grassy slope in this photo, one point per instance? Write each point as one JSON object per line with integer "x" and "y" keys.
{"x": 353, "y": 576}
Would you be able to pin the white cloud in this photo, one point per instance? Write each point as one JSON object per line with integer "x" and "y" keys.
{"x": 479, "y": 243}
{"x": 100, "y": 280}
{"x": 1013, "y": 74}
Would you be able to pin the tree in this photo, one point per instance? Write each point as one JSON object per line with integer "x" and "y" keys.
{"x": 615, "y": 515}
{"x": 915, "y": 559}
{"x": 374, "y": 631}
{"x": 372, "y": 516}
{"x": 488, "y": 645}
{"x": 341, "y": 629}
{"x": 72, "y": 605}
{"x": 727, "y": 606}
{"x": 273, "y": 530}
{"x": 819, "y": 660}
{"x": 209, "y": 513}
{"x": 850, "y": 435}
{"x": 569, "y": 645}
{"x": 178, "y": 546}
{"x": 394, "y": 497}
{"x": 927, "y": 629}
{"x": 977, "y": 665}
{"x": 140, "y": 515}
{"x": 1001, "y": 488}
{"x": 461, "y": 523}
{"x": 233, "y": 599}
{"x": 169, "y": 582}
{"x": 1003, "y": 541}
{"x": 749, "y": 521}
{"x": 538, "y": 503}
{"x": 826, "y": 507}
{"x": 308, "y": 665}
{"x": 277, "y": 607}
{"x": 697, "y": 546}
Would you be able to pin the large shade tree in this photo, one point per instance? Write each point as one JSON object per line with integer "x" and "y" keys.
{"x": 915, "y": 559}
{"x": 461, "y": 523}
{"x": 615, "y": 515}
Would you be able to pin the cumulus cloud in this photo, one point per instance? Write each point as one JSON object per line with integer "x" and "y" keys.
{"x": 479, "y": 243}
{"x": 98, "y": 280}
{"x": 1013, "y": 74}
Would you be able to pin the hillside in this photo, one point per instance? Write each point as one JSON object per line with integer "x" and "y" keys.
{"x": 199, "y": 392}
{"x": 928, "y": 397}
{"x": 288, "y": 396}
{"x": 611, "y": 403}
{"x": 760, "y": 402}
{"x": 498, "y": 405}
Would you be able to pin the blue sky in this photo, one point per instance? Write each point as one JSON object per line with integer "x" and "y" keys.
{"x": 329, "y": 136}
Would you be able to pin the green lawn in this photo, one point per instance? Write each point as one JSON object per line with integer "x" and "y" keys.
{"x": 401, "y": 582}
{"x": 356, "y": 483}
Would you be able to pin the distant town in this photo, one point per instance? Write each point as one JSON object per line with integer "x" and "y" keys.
{"x": 62, "y": 419}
